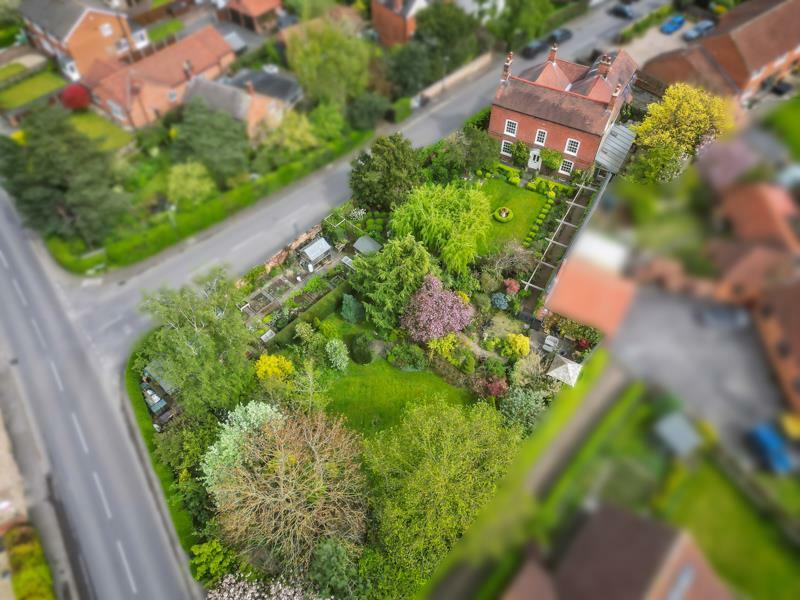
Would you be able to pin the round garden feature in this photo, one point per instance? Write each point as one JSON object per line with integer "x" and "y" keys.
{"x": 503, "y": 214}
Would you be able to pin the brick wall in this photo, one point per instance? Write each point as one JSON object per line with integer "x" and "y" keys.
{"x": 391, "y": 27}
{"x": 557, "y": 135}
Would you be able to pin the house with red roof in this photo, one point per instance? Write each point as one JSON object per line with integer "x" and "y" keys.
{"x": 562, "y": 106}
{"x": 138, "y": 94}
{"x": 256, "y": 15}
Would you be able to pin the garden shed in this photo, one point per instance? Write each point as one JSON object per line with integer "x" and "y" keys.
{"x": 564, "y": 370}
{"x": 315, "y": 253}
{"x": 678, "y": 434}
{"x": 365, "y": 245}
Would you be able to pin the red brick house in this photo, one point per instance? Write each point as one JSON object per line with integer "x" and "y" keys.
{"x": 78, "y": 32}
{"x": 394, "y": 19}
{"x": 561, "y": 106}
{"x": 754, "y": 45}
{"x": 256, "y": 15}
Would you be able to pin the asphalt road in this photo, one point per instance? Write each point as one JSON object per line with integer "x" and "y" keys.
{"x": 71, "y": 338}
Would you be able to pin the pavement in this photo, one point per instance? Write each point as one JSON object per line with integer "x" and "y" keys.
{"x": 68, "y": 339}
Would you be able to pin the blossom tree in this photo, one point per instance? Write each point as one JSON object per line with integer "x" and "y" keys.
{"x": 433, "y": 312}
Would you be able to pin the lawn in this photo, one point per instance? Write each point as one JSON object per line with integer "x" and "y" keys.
{"x": 101, "y": 130}
{"x": 30, "y": 89}
{"x": 746, "y": 549}
{"x": 10, "y": 70}
{"x": 785, "y": 122}
{"x": 785, "y": 489}
{"x": 372, "y": 397}
{"x": 523, "y": 203}
{"x": 163, "y": 30}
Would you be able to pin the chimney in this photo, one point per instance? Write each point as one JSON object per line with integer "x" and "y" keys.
{"x": 507, "y": 67}
{"x": 250, "y": 89}
{"x": 187, "y": 68}
{"x": 398, "y": 6}
{"x": 604, "y": 65}
{"x": 614, "y": 97}
{"x": 553, "y": 53}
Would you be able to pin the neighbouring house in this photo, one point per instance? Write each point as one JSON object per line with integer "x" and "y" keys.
{"x": 745, "y": 270}
{"x": 138, "y": 94}
{"x": 269, "y": 81}
{"x": 346, "y": 17}
{"x": 77, "y": 33}
{"x": 257, "y": 111}
{"x": 753, "y": 46}
{"x": 562, "y": 106}
{"x": 762, "y": 213}
{"x": 260, "y": 16}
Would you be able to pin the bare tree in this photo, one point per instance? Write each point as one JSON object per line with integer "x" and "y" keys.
{"x": 513, "y": 257}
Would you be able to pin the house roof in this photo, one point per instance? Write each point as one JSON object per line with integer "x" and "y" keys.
{"x": 57, "y": 17}
{"x": 747, "y": 269}
{"x": 591, "y": 295}
{"x": 780, "y": 303}
{"x": 167, "y": 67}
{"x": 282, "y": 86}
{"x": 615, "y": 148}
{"x": 723, "y": 163}
{"x": 568, "y": 93}
{"x": 346, "y": 16}
{"x": 366, "y": 245}
{"x": 254, "y": 8}
{"x": 749, "y": 37}
{"x": 316, "y": 249}
{"x": 763, "y": 213}
{"x": 218, "y": 96}
{"x": 615, "y": 554}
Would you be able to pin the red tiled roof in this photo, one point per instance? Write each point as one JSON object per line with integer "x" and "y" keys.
{"x": 590, "y": 295}
{"x": 167, "y": 68}
{"x": 254, "y": 8}
{"x": 763, "y": 213}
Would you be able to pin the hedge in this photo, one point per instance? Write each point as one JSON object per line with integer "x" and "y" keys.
{"x": 8, "y": 34}
{"x": 321, "y": 309}
{"x": 480, "y": 119}
{"x": 138, "y": 245}
{"x": 401, "y": 109}
{"x": 638, "y": 28}
{"x": 564, "y": 14}
{"x": 31, "y": 578}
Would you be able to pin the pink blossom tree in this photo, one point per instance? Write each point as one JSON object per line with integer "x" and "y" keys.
{"x": 433, "y": 312}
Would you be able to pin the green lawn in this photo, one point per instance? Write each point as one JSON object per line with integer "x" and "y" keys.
{"x": 164, "y": 30}
{"x": 523, "y": 203}
{"x": 786, "y": 491}
{"x": 100, "y": 129}
{"x": 10, "y": 70}
{"x": 785, "y": 122}
{"x": 372, "y": 397}
{"x": 30, "y": 89}
{"x": 745, "y": 548}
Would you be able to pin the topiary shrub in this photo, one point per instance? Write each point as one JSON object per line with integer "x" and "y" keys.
{"x": 513, "y": 180}
{"x": 503, "y": 214}
{"x": 360, "y": 350}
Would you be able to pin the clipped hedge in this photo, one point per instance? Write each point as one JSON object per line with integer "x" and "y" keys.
{"x": 31, "y": 578}
{"x": 500, "y": 218}
{"x": 480, "y": 119}
{"x": 638, "y": 28}
{"x": 401, "y": 109}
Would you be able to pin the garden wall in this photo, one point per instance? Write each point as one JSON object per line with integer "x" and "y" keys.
{"x": 435, "y": 89}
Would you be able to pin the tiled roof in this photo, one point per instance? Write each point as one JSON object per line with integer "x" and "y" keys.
{"x": 54, "y": 16}
{"x": 254, "y": 8}
{"x": 567, "y": 93}
{"x": 763, "y": 213}
{"x": 692, "y": 65}
{"x": 167, "y": 67}
{"x": 220, "y": 97}
{"x": 779, "y": 322}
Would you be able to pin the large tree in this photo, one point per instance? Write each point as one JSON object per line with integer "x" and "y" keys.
{"x": 289, "y": 141}
{"x": 449, "y": 34}
{"x": 61, "y": 179}
{"x": 213, "y": 138}
{"x": 410, "y": 68}
{"x": 450, "y": 220}
{"x": 283, "y": 486}
{"x": 520, "y": 21}
{"x": 384, "y": 176}
{"x": 330, "y": 60}
{"x": 684, "y": 119}
{"x": 431, "y": 475}
{"x": 201, "y": 343}
{"x": 189, "y": 184}
{"x": 386, "y": 281}
{"x": 462, "y": 152}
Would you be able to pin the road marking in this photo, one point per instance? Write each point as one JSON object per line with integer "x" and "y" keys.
{"x": 113, "y": 321}
{"x": 241, "y": 245}
{"x": 22, "y": 297}
{"x": 56, "y": 376}
{"x": 127, "y": 567}
{"x": 102, "y": 493}
{"x": 79, "y": 431}
{"x": 93, "y": 282}
{"x": 3, "y": 259}
{"x": 38, "y": 333}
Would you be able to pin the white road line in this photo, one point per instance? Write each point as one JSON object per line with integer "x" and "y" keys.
{"x": 79, "y": 431}
{"x": 22, "y": 297}
{"x": 38, "y": 333}
{"x": 127, "y": 567}
{"x": 102, "y": 493}
{"x": 241, "y": 245}
{"x": 3, "y": 259}
{"x": 56, "y": 376}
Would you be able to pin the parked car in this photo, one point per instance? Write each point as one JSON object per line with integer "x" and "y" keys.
{"x": 533, "y": 48}
{"x": 723, "y": 317}
{"x": 623, "y": 11}
{"x": 672, "y": 24}
{"x": 782, "y": 88}
{"x": 771, "y": 448}
{"x": 700, "y": 29}
{"x": 560, "y": 35}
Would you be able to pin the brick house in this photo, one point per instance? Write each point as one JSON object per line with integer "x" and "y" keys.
{"x": 79, "y": 32}
{"x": 135, "y": 95}
{"x": 754, "y": 45}
{"x": 256, "y": 15}
{"x": 562, "y": 106}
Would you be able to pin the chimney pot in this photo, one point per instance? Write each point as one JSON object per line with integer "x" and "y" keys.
{"x": 187, "y": 68}
{"x": 507, "y": 66}
{"x": 553, "y": 53}
{"x": 604, "y": 65}
{"x": 398, "y": 6}
{"x": 615, "y": 97}
{"x": 250, "y": 89}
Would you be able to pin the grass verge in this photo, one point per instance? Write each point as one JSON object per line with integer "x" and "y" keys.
{"x": 30, "y": 89}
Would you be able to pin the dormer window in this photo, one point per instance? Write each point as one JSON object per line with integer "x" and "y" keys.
{"x": 140, "y": 38}
{"x": 511, "y": 128}
{"x": 106, "y": 30}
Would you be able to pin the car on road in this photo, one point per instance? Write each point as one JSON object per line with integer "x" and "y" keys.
{"x": 771, "y": 448}
{"x": 560, "y": 35}
{"x": 700, "y": 29}
{"x": 533, "y": 48}
{"x": 673, "y": 24}
{"x": 724, "y": 318}
{"x": 623, "y": 11}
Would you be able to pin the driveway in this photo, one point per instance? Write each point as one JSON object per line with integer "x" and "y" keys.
{"x": 653, "y": 43}
{"x": 720, "y": 375}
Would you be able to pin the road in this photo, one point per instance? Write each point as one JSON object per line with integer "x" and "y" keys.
{"x": 71, "y": 337}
